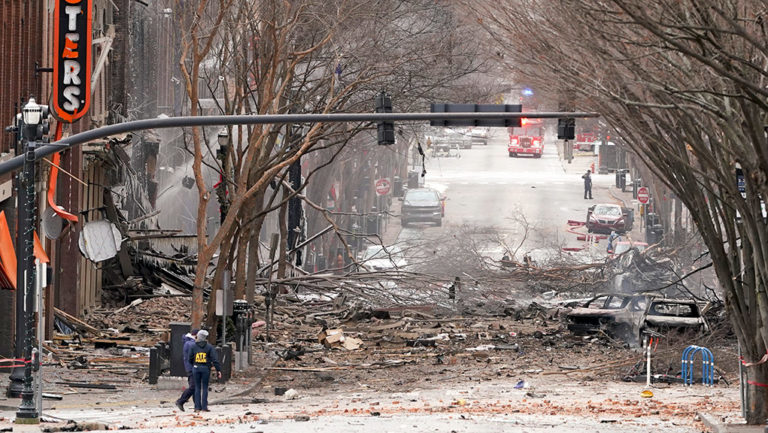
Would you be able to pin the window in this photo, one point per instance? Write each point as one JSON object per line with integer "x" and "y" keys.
{"x": 598, "y": 302}
{"x": 673, "y": 309}
{"x": 615, "y": 302}
{"x": 608, "y": 210}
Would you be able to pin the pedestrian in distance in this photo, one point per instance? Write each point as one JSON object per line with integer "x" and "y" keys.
{"x": 189, "y": 341}
{"x": 202, "y": 356}
{"x": 587, "y": 184}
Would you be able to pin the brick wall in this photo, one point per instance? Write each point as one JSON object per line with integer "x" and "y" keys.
{"x": 22, "y": 36}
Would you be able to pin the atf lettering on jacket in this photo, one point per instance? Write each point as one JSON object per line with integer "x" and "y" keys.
{"x": 201, "y": 358}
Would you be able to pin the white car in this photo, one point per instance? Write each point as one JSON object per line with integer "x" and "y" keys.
{"x": 479, "y": 136}
{"x": 381, "y": 258}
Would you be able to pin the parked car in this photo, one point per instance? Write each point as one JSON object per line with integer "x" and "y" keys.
{"x": 422, "y": 205}
{"x": 446, "y": 148}
{"x": 383, "y": 258}
{"x": 461, "y": 136}
{"x": 627, "y": 317}
{"x": 479, "y": 136}
{"x": 606, "y": 218}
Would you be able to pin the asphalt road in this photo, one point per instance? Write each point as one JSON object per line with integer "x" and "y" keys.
{"x": 527, "y": 201}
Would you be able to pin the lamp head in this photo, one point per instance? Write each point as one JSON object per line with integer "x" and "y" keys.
{"x": 32, "y": 113}
{"x": 223, "y": 137}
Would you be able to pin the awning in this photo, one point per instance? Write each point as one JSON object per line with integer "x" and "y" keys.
{"x": 8, "y": 261}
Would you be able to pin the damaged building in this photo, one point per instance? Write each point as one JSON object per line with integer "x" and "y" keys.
{"x": 98, "y": 202}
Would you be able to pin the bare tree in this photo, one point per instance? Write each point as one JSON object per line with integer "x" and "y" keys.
{"x": 684, "y": 82}
{"x": 298, "y": 56}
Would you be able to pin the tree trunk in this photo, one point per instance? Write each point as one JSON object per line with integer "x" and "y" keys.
{"x": 283, "y": 223}
{"x": 242, "y": 255}
{"x": 679, "y": 234}
{"x": 253, "y": 246}
{"x": 221, "y": 265}
{"x": 756, "y": 396}
{"x": 197, "y": 290}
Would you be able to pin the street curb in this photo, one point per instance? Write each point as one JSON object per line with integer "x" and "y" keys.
{"x": 610, "y": 191}
{"x": 715, "y": 426}
{"x": 710, "y": 422}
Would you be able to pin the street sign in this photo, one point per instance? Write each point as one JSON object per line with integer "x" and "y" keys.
{"x": 643, "y": 195}
{"x": 383, "y": 186}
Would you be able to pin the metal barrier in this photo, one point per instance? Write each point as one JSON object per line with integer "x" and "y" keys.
{"x": 707, "y": 365}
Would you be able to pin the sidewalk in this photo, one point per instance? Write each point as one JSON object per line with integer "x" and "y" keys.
{"x": 392, "y": 225}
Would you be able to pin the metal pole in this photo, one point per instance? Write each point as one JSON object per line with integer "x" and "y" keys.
{"x": 742, "y": 388}
{"x": 17, "y": 374}
{"x": 41, "y": 283}
{"x": 27, "y": 414}
{"x": 224, "y": 303}
{"x": 648, "y": 365}
{"x": 270, "y": 299}
{"x": 263, "y": 119}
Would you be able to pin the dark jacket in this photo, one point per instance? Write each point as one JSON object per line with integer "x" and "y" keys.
{"x": 203, "y": 353}
{"x": 587, "y": 180}
{"x": 189, "y": 341}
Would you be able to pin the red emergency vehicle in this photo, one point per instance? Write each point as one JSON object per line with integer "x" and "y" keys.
{"x": 528, "y": 139}
{"x": 585, "y": 141}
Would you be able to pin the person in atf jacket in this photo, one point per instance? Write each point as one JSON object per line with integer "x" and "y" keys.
{"x": 189, "y": 341}
{"x": 202, "y": 356}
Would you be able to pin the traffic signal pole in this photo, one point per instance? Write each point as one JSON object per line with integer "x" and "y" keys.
{"x": 190, "y": 121}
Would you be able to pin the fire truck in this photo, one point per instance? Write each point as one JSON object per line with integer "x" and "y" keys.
{"x": 528, "y": 139}
{"x": 585, "y": 141}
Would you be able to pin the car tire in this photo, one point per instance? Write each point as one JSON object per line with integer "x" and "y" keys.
{"x": 538, "y": 155}
{"x": 403, "y": 222}
{"x": 439, "y": 223}
{"x": 512, "y": 154}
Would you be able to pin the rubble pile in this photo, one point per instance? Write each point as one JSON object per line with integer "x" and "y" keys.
{"x": 115, "y": 341}
{"x": 143, "y": 315}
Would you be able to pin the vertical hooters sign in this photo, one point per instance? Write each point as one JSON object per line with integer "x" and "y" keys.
{"x": 72, "y": 64}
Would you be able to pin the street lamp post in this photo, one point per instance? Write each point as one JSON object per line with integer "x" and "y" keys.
{"x": 32, "y": 116}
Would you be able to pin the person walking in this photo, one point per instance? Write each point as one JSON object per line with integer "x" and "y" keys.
{"x": 587, "y": 184}
{"x": 189, "y": 341}
{"x": 202, "y": 356}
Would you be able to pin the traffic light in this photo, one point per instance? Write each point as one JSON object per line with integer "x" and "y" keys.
{"x": 566, "y": 128}
{"x": 386, "y": 130}
{"x": 476, "y": 108}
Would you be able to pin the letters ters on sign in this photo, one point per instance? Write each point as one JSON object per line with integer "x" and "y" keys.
{"x": 72, "y": 62}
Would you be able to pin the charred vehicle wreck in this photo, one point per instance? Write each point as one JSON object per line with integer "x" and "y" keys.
{"x": 628, "y": 317}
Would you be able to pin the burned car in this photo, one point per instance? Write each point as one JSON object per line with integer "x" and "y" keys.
{"x": 681, "y": 315}
{"x": 619, "y": 316}
{"x": 627, "y": 317}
